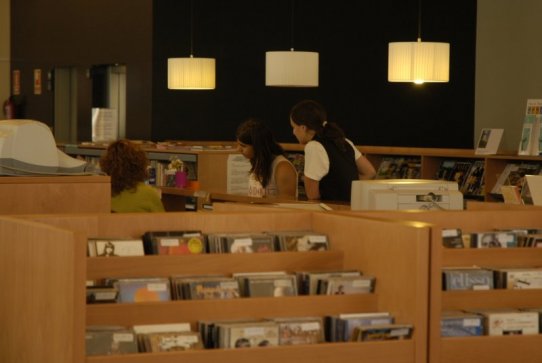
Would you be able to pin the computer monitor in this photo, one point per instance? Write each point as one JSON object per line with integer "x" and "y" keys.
{"x": 393, "y": 194}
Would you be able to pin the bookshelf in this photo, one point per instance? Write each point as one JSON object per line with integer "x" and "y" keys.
{"x": 484, "y": 349}
{"x": 210, "y": 161}
{"x": 401, "y": 271}
{"x": 207, "y": 162}
{"x": 430, "y": 160}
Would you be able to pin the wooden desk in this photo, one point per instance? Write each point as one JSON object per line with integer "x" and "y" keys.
{"x": 174, "y": 199}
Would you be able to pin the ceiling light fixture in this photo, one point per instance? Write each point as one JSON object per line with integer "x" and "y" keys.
{"x": 418, "y": 62}
{"x": 291, "y": 68}
{"x": 191, "y": 73}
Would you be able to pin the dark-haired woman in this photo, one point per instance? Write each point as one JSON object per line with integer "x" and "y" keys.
{"x": 332, "y": 162}
{"x": 127, "y": 165}
{"x": 271, "y": 173}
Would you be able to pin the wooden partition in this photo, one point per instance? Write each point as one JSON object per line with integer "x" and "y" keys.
{"x": 397, "y": 254}
{"x": 55, "y": 194}
{"x": 485, "y": 349}
{"x": 42, "y": 311}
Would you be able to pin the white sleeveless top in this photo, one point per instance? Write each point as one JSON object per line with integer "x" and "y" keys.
{"x": 255, "y": 188}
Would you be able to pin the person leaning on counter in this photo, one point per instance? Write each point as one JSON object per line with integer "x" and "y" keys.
{"x": 332, "y": 161}
{"x": 271, "y": 173}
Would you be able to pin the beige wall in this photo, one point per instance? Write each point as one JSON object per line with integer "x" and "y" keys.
{"x": 4, "y": 52}
{"x": 508, "y": 65}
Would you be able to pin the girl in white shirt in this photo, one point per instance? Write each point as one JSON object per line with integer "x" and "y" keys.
{"x": 271, "y": 173}
{"x": 331, "y": 160}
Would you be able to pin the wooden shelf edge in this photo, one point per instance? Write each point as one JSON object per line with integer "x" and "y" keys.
{"x": 389, "y": 352}
{"x": 194, "y": 310}
{"x": 165, "y": 266}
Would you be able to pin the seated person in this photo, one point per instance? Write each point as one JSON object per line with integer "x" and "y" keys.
{"x": 126, "y": 164}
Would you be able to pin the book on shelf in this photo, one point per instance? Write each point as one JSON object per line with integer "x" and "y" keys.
{"x": 248, "y": 335}
{"x": 466, "y": 173}
{"x": 398, "y": 167}
{"x": 109, "y": 340}
{"x": 467, "y": 278}
{"x": 493, "y": 239}
{"x": 474, "y": 181}
{"x": 113, "y": 247}
{"x": 300, "y": 330}
{"x": 171, "y": 341}
{"x": 531, "y": 135}
{"x": 514, "y": 174}
{"x": 307, "y": 281}
{"x": 340, "y": 328}
{"x": 346, "y": 285}
{"x": 241, "y": 242}
{"x": 268, "y": 286}
{"x": 518, "y": 278}
{"x": 174, "y": 242}
{"x": 509, "y": 321}
{"x": 301, "y": 241}
{"x": 461, "y": 324}
{"x": 367, "y": 333}
{"x": 452, "y": 238}
{"x": 101, "y": 294}
{"x": 143, "y": 289}
{"x": 204, "y": 287}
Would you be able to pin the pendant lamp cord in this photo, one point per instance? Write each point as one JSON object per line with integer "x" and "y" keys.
{"x": 292, "y": 26}
{"x": 191, "y": 28}
{"x": 419, "y": 20}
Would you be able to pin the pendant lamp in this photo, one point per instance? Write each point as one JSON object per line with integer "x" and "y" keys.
{"x": 191, "y": 73}
{"x": 418, "y": 62}
{"x": 291, "y": 68}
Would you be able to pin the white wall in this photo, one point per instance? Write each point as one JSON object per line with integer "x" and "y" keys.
{"x": 4, "y": 52}
{"x": 508, "y": 65}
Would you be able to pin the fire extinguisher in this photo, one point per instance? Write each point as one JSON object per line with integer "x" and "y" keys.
{"x": 9, "y": 108}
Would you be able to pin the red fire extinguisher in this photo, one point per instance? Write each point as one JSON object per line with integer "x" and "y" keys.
{"x": 9, "y": 108}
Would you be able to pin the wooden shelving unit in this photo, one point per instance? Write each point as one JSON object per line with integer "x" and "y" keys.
{"x": 401, "y": 271}
{"x": 212, "y": 165}
{"x": 485, "y": 349}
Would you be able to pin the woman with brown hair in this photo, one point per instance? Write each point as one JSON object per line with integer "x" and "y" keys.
{"x": 127, "y": 165}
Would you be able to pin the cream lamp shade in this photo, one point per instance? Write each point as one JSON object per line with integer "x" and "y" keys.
{"x": 418, "y": 62}
{"x": 191, "y": 73}
{"x": 291, "y": 69}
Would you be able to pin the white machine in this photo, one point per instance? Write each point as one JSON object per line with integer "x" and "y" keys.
{"x": 28, "y": 147}
{"x": 392, "y": 194}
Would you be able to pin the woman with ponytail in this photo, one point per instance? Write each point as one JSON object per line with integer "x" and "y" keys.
{"x": 271, "y": 173}
{"x": 332, "y": 161}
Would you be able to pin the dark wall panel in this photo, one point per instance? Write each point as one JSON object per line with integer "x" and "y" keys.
{"x": 352, "y": 39}
{"x": 81, "y": 33}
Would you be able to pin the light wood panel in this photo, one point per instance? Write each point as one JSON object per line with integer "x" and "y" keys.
{"x": 55, "y": 194}
{"x": 43, "y": 295}
{"x": 195, "y": 310}
{"x": 165, "y": 266}
{"x": 398, "y": 351}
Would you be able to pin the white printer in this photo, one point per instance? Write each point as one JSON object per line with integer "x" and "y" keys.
{"x": 393, "y": 194}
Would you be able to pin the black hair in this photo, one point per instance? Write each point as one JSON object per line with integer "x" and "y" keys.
{"x": 255, "y": 133}
{"x": 314, "y": 116}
